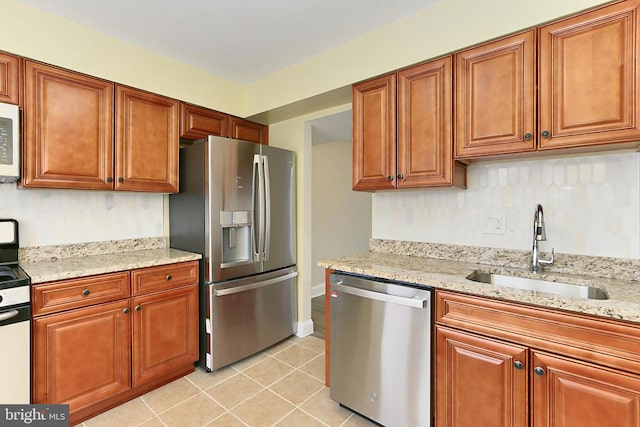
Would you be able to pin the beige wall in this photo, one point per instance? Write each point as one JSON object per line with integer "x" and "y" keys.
{"x": 340, "y": 217}
{"x": 295, "y": 134}
{"x": 436, "y": 30}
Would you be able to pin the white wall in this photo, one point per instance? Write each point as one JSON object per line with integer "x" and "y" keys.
{"x": 54, "y": 217}
{"x": 590, "y": 206}
{"x": 341, "y": 218}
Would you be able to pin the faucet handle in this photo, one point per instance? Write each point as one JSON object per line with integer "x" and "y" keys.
{"x": 547, "y": 261}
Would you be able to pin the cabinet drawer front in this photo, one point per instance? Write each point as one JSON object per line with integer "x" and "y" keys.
{"x": 81, "y": 292}
{"x": 593, "y": 339}
{"x": 163, "y": 277}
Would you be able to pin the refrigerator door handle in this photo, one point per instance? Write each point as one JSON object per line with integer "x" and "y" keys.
{"x": 257, "y": 204}
{"x": 267, "y": 210}
{"x": 243, "y": 288}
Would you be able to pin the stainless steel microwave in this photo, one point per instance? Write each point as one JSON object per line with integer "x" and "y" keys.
{"x": 9, "y": 143}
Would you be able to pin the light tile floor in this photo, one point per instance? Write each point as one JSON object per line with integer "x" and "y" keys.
{"x": 282, "y": 386}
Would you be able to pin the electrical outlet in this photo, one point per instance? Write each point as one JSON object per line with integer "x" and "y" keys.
{"x": 495, "y": 224}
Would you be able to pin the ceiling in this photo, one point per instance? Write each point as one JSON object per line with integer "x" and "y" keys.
{"x": 238, "y": 40}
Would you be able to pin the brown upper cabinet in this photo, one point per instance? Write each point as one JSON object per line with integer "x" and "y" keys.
{"x": 68, "y": 129}
{"x": 199, "y": 122}
{"x": 147, "y": 141}
{"x": 248, "y": 131}
{"x": 496, "y": 97}
{"x": 588, "y": 78}
{"x": 402, "y": 136}
{"x": 69, "y": 134}
{"x": 10, "y": 86}
{"x": 587, "y": 95}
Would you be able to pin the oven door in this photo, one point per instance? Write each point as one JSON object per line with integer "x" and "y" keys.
{"x": 15, "y": 355}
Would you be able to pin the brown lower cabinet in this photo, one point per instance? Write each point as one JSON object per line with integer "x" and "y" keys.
{"x": 504, "y": 364}
{"x": 94, "y": 355}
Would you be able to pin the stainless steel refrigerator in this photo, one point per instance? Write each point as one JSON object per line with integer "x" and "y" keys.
{"x": 236, "y": 206}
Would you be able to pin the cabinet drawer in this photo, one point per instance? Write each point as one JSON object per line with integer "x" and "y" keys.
{"x": 81, "y": 292}
{"x": 152, "y": 279}
{"x": 594, "y": 339}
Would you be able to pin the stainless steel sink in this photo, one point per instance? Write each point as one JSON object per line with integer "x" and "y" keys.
{"x": 557, "y": 288}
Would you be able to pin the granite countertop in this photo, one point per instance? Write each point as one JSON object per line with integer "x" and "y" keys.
{"x": 71, "y": 261}
{"x": 450, "y": 274}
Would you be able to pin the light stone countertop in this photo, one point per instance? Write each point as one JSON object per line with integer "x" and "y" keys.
{"x": 77, "y": 264}
{"x": 623, "y": 302}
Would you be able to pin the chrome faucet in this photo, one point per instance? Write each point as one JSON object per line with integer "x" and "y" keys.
{"x": 539, "y": 234}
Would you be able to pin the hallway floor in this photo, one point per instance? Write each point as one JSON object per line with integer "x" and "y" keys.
{"x": 281, "y": 386}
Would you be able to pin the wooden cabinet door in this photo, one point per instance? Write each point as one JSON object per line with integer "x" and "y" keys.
{"x": 374, "y": 134}
{"x": 568, "y": 393}
{"x": 425, "y": 139}
{"x": 248, "y": 131}
{"x": 588, "y": 78}
{"x": 496, "y": 97}
{"x": 10, "y": 78}
{"x": 165, "y": 333}
{"x": 82, "y": 356}
{"x": 199, "y": 122}
{"x": 479, "y": 381}
{"x": 68, "y": 129}
{"x": 147, "y": 141}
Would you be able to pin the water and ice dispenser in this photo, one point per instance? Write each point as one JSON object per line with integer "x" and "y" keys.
{"x": 236, "y": 237}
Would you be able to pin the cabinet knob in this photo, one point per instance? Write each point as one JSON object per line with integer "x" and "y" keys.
{"x": 86, "y": 292}
{"x": 527, "y": 136}
{"x": 545, "y": 134}
{"x": 125, "y": 310}
{"x": 138, "y": 307}
{"x": 121, "y": 179}
{"x": 389, "y": 178}
{"x": 538, "y": 370}
{"x": 168, "y": 277}
{"x": 109, "y": 179}
{"x": 400, "y": 176}
{"x": 518, "y": 364}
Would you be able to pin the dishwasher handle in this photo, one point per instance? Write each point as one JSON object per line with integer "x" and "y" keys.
{"x": 409, "y": 302}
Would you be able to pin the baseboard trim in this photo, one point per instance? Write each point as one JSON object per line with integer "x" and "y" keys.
{"x": 317, "y": 290}
{"x": 305, "y": 328}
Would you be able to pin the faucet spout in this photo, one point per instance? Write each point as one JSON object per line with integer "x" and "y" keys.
{"x": 539, "y": 234}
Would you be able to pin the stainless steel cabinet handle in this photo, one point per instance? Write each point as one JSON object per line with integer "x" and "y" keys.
{"x": 8, "y": 315}
{"x": 86, "y": 292}
{"x": 518, "y": 364}
{"x": 138, "y": 308}
{"x": 125, "y": 310}
{"x": 538, "y": 370}
{"x": 168, "y": 277}
{"x": 409, "y": 302}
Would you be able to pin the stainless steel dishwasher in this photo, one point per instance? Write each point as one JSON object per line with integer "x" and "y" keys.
{"x": 380, "y": 360}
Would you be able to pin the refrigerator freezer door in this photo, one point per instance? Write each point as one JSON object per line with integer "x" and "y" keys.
{"x": 280, "y": 235}
{"x": 232, "y": 228}
{"x": 248, "y": 315}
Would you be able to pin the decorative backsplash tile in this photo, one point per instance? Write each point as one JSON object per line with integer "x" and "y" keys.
{"x": 591, "y": 206}
{"x": 56, "y": 217}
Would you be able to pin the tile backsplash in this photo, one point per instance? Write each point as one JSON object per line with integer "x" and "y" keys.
{"x": 591, "y": 206}
{"x": 55, "y": 217}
